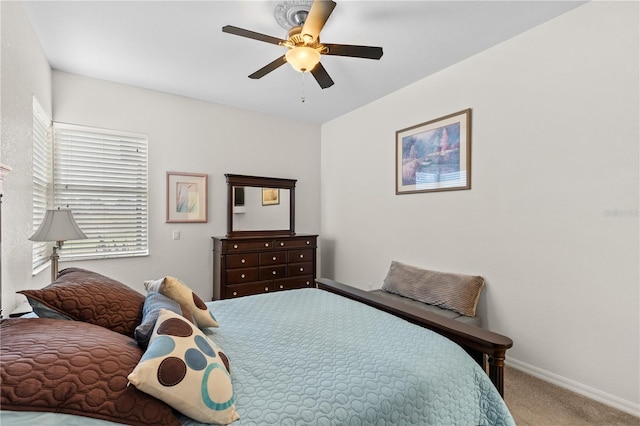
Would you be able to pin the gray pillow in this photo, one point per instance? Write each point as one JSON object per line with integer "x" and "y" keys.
{"x": 43, "y": 311}
{"x": 153, "y": 302}
{"x": 456, "y": 292}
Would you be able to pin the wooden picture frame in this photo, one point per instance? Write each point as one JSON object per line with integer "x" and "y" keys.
{"x": 270, "y": 196}
{"x": 187, "y": 197}
{"x": 435, "y": 155}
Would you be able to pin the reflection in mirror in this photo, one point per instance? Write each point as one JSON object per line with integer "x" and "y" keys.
{"x": 238, "y": 199}
{"x": 254, "y": 215}
{"x": 260, "y": 205}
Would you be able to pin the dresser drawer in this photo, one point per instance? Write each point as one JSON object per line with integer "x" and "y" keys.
{"x": 300, "y": 256}
{"x": 297, "y": 269}
{"x": 239, "y": 290}
{"x": 273, "y": 258}
{"x": 272, "y": 272}
{"x": 239, "y": 276}
{"x": 242, "y": 260}
{"x": 252, "y": 245}
{"x": 296, "y": 242}
{"x": 295, "y": 282}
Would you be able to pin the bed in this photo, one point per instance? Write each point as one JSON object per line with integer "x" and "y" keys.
{"x": 320, "y": 356}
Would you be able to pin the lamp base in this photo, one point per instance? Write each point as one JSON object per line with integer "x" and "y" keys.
{"x": 54, "y": 261}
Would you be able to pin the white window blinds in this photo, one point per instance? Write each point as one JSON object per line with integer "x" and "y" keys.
{"x": 42, "y": 179}
{"x": 101, "y": 175}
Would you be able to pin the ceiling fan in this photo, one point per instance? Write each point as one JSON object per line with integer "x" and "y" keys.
{"x": 304, "y": 46}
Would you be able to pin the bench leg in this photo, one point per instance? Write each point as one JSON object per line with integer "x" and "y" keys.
{"x": 496, "y": 371}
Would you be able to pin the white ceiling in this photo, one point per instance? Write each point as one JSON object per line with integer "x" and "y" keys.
{"x": 179, "y": 47}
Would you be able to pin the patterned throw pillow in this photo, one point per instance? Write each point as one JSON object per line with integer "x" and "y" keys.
{"x": 188, "y": 300}
{"x": 185, "y": 369}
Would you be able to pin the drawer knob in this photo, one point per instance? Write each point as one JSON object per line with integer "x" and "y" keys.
{"x": 266, "y": 289}
{"x": 235, "y": 293}
{"x": 308, "y": 242}
{"x": 273, "y": 272}
{"x": 274, "y": 258}
{"x": 281, "y": 244}
{"x": 301, "y": 269}
{"x": 243, "y": 261}
{"x": 266, "y": 244}
{"x": 302, "y": 256}
{"x": 308, "y": 283}
{"x": 235, "y": 246}
{"x": 281, "y": 286}
{"x": 242, "y": 276}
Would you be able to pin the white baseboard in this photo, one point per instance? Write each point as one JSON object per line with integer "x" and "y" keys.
{"x": 592, "y": 393}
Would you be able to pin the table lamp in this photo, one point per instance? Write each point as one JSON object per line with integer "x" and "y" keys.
{"x": 60, "y": 226}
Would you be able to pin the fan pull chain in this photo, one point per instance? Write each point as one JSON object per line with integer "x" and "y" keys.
{"x": 303, "y": 97}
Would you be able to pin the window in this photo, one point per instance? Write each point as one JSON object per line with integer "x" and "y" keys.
{"x": 101, "y": 175}
{"x": 42, "y": 179}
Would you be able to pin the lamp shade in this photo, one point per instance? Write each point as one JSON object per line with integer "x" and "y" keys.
{"x": 302, "y": 58}
{"x": 58, "y": 225}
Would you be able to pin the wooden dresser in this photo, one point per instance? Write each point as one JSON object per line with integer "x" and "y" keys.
{"x": 253, "y": 265}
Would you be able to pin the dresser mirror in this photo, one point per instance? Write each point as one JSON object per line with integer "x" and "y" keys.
{"x": 260, "y": 205}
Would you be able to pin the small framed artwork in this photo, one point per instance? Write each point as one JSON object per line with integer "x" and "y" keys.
{"x": 435, "y": 155}
{"x": 270, "y": 196}
{"x": 186, "y": 197}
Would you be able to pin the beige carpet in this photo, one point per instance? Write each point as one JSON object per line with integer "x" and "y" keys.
{"x": 534, "y": 402}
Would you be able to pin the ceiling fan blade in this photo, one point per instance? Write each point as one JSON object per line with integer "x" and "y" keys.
{"x": 251, "y": 34}
{"x": 317, "y": 17}
{"x": 322, "y": 76}
{"x": 268, "y": 68}
{"x": 367, "y": 52}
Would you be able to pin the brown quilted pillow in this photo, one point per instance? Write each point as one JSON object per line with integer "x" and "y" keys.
{"x": 87, "y": 296}
{"x": 72, "y": 367}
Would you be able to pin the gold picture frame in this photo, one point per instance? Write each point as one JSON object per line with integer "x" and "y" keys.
{"x": 435, "y": 155}
{"x": 270, "y": 196}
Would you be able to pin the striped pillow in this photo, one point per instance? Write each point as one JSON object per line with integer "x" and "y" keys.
{"x": 456, "y": 292}
{"x": 152, "y": 304}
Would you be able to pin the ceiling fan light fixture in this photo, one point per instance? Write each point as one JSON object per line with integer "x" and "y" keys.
{"x": 303, "y": 58}
{"x": 291, "y": 13}
{"x": 304, "y": 20}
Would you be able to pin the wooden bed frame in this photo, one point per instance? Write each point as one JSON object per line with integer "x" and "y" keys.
{"x": 482, "y": 345}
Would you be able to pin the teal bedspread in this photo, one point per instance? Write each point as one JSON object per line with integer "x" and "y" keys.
{"x": 310, "y": 357}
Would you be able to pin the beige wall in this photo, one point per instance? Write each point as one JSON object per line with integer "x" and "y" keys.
{"x": 25, "y": 73}
{"x": 555, "y": 156}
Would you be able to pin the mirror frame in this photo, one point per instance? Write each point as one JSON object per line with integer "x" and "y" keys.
{"x": 260, "y": 182}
